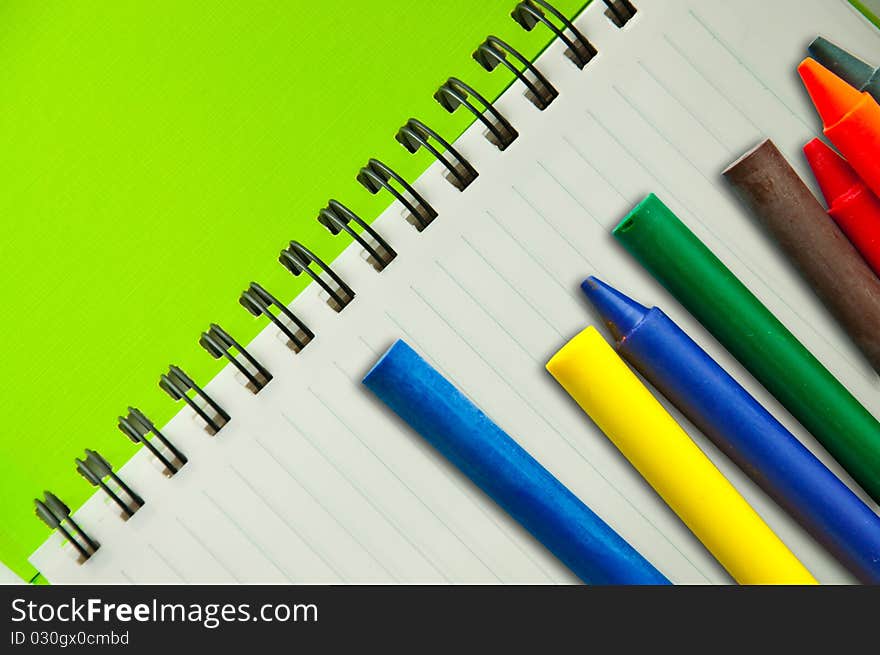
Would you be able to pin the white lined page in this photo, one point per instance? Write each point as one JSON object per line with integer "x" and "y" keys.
{"x": 314, "y": 481}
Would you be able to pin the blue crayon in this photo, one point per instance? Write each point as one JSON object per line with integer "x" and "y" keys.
{"x": 737, "y": 423}
{"x": 438, "y": 411}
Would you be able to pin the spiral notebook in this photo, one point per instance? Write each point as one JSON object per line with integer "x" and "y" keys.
{"x": 310, "y": 480}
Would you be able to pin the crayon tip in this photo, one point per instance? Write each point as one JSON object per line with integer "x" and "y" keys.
{"x": 834, "y": 175}
{"x": 396, "y": 349}
{"x": 619, "y": 312}
{"x": 848, "y": 67}
{"x": 832, "y": 97}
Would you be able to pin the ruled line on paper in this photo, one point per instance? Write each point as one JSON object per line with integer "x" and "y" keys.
{"x": 746, "y": 67}
{"x": 638, "y": 161}
{"x": 318, "y": 502}
{"x": 543, "y": 418}
{"x": 577, "y": 251}
{"x": 406, "y": 486}
{"x": 512, "y": 288}
{"x": 484, "y": 359}
{"x": 257, "y": 547}
{"x": 668, "y": 141}
{"x": 353, "y": 378}
{"x": 488, "y": 314}
{"x": 168, "y": 563}
{"x": 391, "y": 522}
{"x": 369, "y": 347}
{"x": 296, "y": 532}
{"x": 608, "y": 182}
{"x": 208, "y": 550}
{"x": 568, "y": 192}
{"x": 695, "y": 117}
{"x": 721, "y": 94}
{"x": 528, "y": 253}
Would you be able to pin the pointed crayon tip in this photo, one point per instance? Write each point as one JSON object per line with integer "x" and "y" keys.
{"x": 832, "y": 97}
{"x": 845, "y": 65}
{"x": 834, "y": 175}
{"x": 619, "y": 312}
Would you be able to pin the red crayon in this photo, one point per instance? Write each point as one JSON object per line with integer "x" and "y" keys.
{"x": 851, "y": 119}
{"x": 850, "y": 203}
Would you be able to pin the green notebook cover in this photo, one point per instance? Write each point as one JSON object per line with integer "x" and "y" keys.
{"x": 155, "y": 159}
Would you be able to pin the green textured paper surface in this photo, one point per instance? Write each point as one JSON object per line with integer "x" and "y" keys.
{"x": 155, "y": 158}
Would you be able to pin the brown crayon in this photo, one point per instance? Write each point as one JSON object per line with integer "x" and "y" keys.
{"x": 766, "y": 184}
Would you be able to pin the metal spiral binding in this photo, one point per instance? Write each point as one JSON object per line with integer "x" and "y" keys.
{"x": 376, "y": 176}
{"x": 415, "y": 134}
{"x": 454, "y": 94}
{"x": 136, "y": 426}
{"x": 296, "y": 258}
{"x": 337, "y": 218}
{"x": 54, "y": 513}
{"x": 529, "y": 13}
{"x": 178, "y": 384}
{"x": 619, "y": 11}
{"x": 260, "y": 302}
{"x": 219, "y": 343}
{"x": 494, "y": 51}
{"x": 94, "y": 468}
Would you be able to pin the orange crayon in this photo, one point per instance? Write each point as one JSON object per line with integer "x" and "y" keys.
{"x": 851, "y": 119}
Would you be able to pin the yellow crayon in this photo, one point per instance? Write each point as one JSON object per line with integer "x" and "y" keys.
{"x": 610, "y": 393}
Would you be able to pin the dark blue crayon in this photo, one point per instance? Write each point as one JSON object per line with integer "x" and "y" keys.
{"x": 747, "y": 433}
{"x": 437, "y": 410}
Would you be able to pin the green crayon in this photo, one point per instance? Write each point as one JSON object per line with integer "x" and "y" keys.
{"x": 741, "y": 323}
